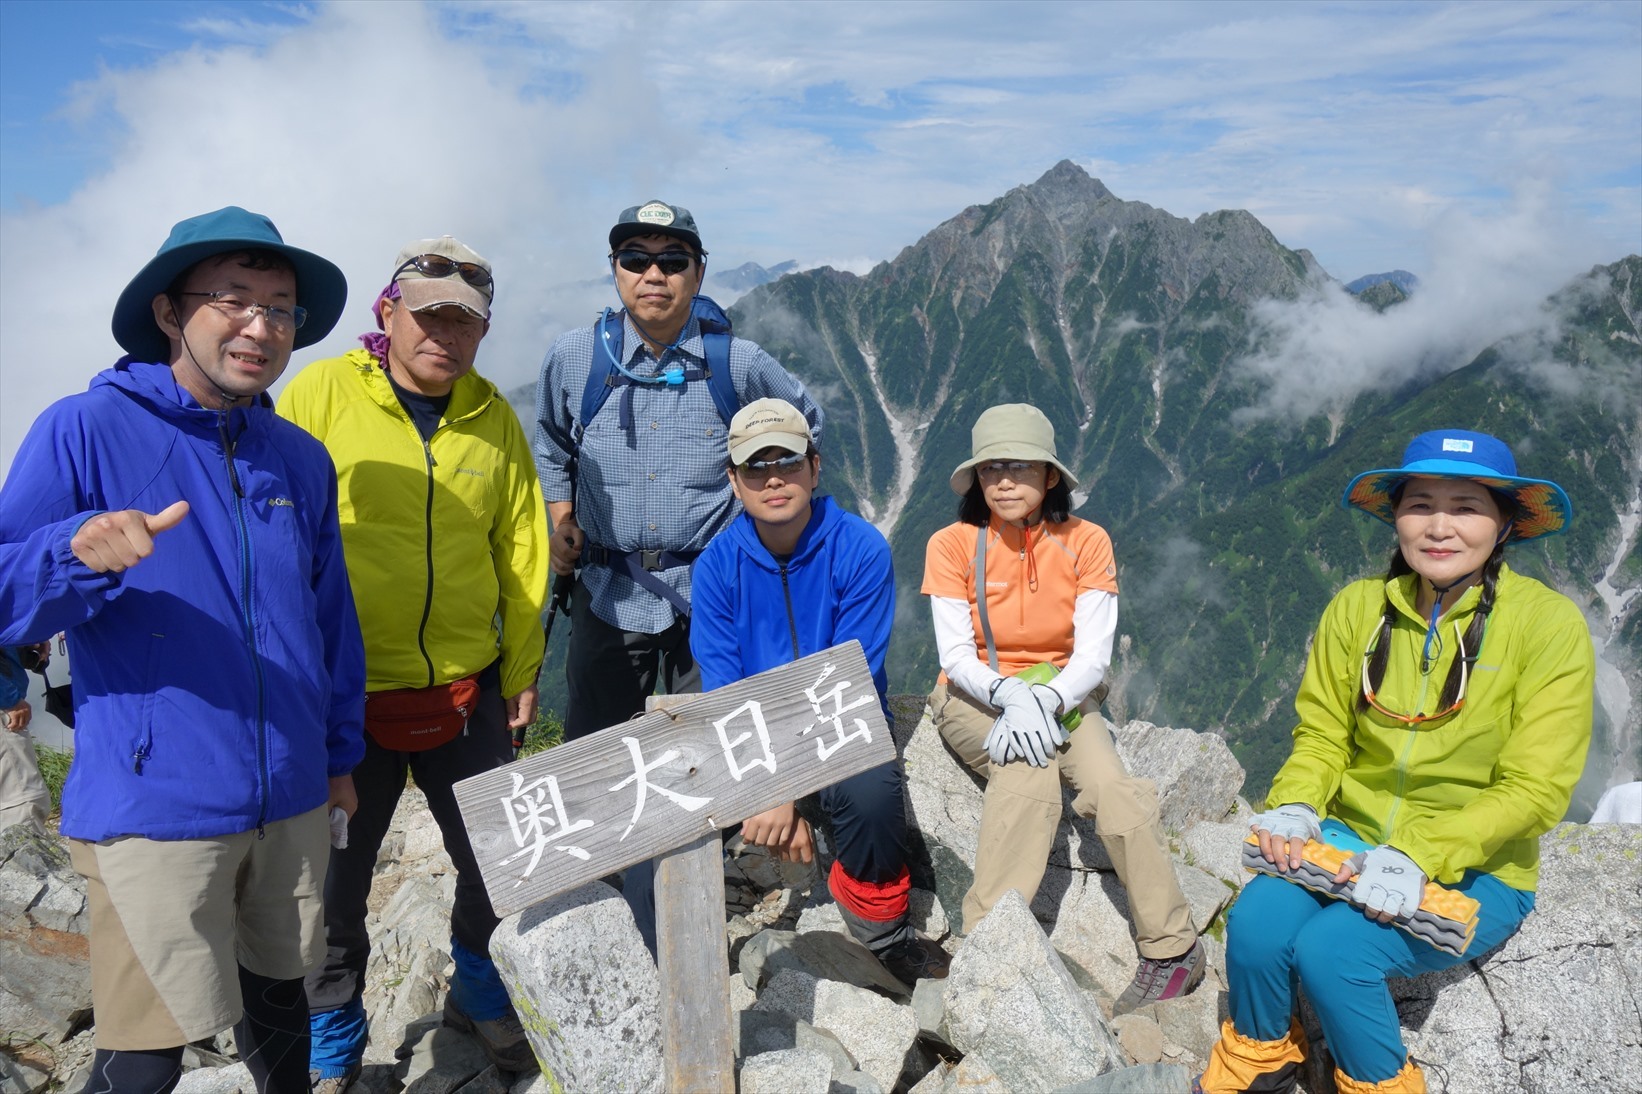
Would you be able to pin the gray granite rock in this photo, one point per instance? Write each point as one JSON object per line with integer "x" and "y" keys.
{"x": 855, "y": 1082}
{"x": 234, "y": 1079}
{"x": 933, "y": 1081}
{"x": 1197, "y": 776}
{"x": 1558, "y": 1007}
{"x": 823, "y": 954}
{"x": 1216, "y": 847}
{"x": 1140, "y": 1036}
{"x": 875, "y": 1030}
{"x": 788, "y": 1071}
{"x": 440, "y": 1061}
{"x": 1010, "y": 998}
{"x": 1141, "y": 1079}
{"x": 929, "y": 1009}
{"x": 770, "y": 1030}
{"x": 1205, "y": 894}
{"x": 585, "y": 989}
{"x": 974, "y": 1074}
{"x": 45, "y": 985}
{"x": 17, "y": 1077}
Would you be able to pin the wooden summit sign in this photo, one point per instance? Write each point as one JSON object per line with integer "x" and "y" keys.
{"x": 564, "y": 817}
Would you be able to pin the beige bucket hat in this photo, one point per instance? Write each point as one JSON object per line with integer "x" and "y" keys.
{"x": 1010, "y": 431}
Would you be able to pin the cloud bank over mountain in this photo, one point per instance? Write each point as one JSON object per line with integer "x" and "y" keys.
{"x": 1488, "y": 279}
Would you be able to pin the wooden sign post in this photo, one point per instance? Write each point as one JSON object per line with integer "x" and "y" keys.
{"x": 668, "y": 782}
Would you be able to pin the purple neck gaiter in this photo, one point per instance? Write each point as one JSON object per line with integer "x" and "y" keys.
{"x": 374, "y": 341}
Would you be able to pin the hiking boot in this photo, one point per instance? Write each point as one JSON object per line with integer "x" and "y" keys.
{"x": 503, "y": 1039}
{"x": 914, "y": 959}
{"x": 333, "y": 1084}
{"x": 1158, "y": 980}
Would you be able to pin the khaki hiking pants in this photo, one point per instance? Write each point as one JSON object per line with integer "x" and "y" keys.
{"x": 1022, "y": 810}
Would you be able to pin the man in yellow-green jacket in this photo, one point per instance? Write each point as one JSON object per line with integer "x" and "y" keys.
{"x": 446, "y": 543}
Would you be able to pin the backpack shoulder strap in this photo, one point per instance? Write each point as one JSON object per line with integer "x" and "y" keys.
{"x": 719, "y": 381}
{"x": 715, "y": 338}
{"x": 607, "y": 347}
{"x": 608, "y": 335}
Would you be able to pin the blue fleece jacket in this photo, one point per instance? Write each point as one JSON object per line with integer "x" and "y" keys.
{"x": 220, "y": 681}
{"x": 751, "y": 612}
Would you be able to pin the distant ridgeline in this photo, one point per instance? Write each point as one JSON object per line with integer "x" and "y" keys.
{"x": 1121, "y": 322}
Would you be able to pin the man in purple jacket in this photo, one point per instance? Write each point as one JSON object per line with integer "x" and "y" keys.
{"x": 186, "y": 540}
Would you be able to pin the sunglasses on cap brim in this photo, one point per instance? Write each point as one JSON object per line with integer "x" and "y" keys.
{"x": 438, "y": 266}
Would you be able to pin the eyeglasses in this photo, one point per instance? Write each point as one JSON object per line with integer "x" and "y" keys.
{"x": 439, "y": 266}
{"x": 1416, "y": 719}
{"x": 786, "y": 467}
{"x": 671, "y": 262}
{"x": 1015, "y": 470}
{"x": 236, "y": 307}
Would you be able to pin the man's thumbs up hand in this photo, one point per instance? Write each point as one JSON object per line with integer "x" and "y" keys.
{"x": 112, "y": 542}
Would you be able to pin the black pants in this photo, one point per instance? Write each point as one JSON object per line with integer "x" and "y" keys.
{"x": 610, "y": 671}
{"x": 379, "y": 780}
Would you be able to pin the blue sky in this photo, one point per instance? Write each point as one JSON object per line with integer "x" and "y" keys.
{"x": 1435, "y": 137}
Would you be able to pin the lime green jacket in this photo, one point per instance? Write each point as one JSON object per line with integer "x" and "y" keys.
{"x": 1471, "y": 791}
{"x": 446, "y": 543}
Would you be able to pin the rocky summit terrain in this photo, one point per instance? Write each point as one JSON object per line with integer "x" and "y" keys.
{"x": 1026, "y": 1007}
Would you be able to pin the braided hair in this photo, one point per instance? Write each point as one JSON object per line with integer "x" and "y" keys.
{"x": 1472, "y": 641}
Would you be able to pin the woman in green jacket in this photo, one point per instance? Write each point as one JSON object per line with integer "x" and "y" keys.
{"x": 1443, "y": 721}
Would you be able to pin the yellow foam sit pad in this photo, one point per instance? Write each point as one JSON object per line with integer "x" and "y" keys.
{"x": 1446, "y": 918}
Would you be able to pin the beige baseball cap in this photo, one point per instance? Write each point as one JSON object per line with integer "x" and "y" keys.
{"x": 767, "y": 423}
{"x": 468, "y": 283}
{"x": 1010, "y": 431}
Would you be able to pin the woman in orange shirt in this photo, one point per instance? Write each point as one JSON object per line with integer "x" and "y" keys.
{"x": 1018, "y": 583}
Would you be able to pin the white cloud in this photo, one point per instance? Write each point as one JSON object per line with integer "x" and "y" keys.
{"x": 809, "y": 131}
{"x": 1487, "y": 279}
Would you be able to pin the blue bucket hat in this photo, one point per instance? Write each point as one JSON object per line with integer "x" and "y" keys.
{"x": 320, "y": 286}
{"x": 1543, "y": 508}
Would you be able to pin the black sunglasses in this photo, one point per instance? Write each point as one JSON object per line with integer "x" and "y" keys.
{"x": 671, "y": 262}
{"x": 440, "y": 266}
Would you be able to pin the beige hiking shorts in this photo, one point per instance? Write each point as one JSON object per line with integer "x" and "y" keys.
{"x": 171, "y": 921}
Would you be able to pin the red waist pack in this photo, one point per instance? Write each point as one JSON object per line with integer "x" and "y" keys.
{"x": 417, "y": 719}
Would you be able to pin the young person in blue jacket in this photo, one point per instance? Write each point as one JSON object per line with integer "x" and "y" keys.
{"x": 791, "y": 576}
{"x": 186, "y": 539}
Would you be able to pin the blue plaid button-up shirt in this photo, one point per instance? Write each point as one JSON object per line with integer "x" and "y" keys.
{"x": 660, "y": 484}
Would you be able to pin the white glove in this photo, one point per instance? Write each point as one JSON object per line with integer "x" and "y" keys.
{"x": 1033, "y": 729}
{"x": 1000, "y": 746}
{"x": 1289, "y": 822}
{"x": 339, "y": 828}
{"x": 1388, "y": 881}
{"x": 1049, "y": 700}
{"x": 1005, "y": 688}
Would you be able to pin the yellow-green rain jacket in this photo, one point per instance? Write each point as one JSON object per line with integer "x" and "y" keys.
{"x": 1471, "y": 791}
{"x": 446, "y": 543}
